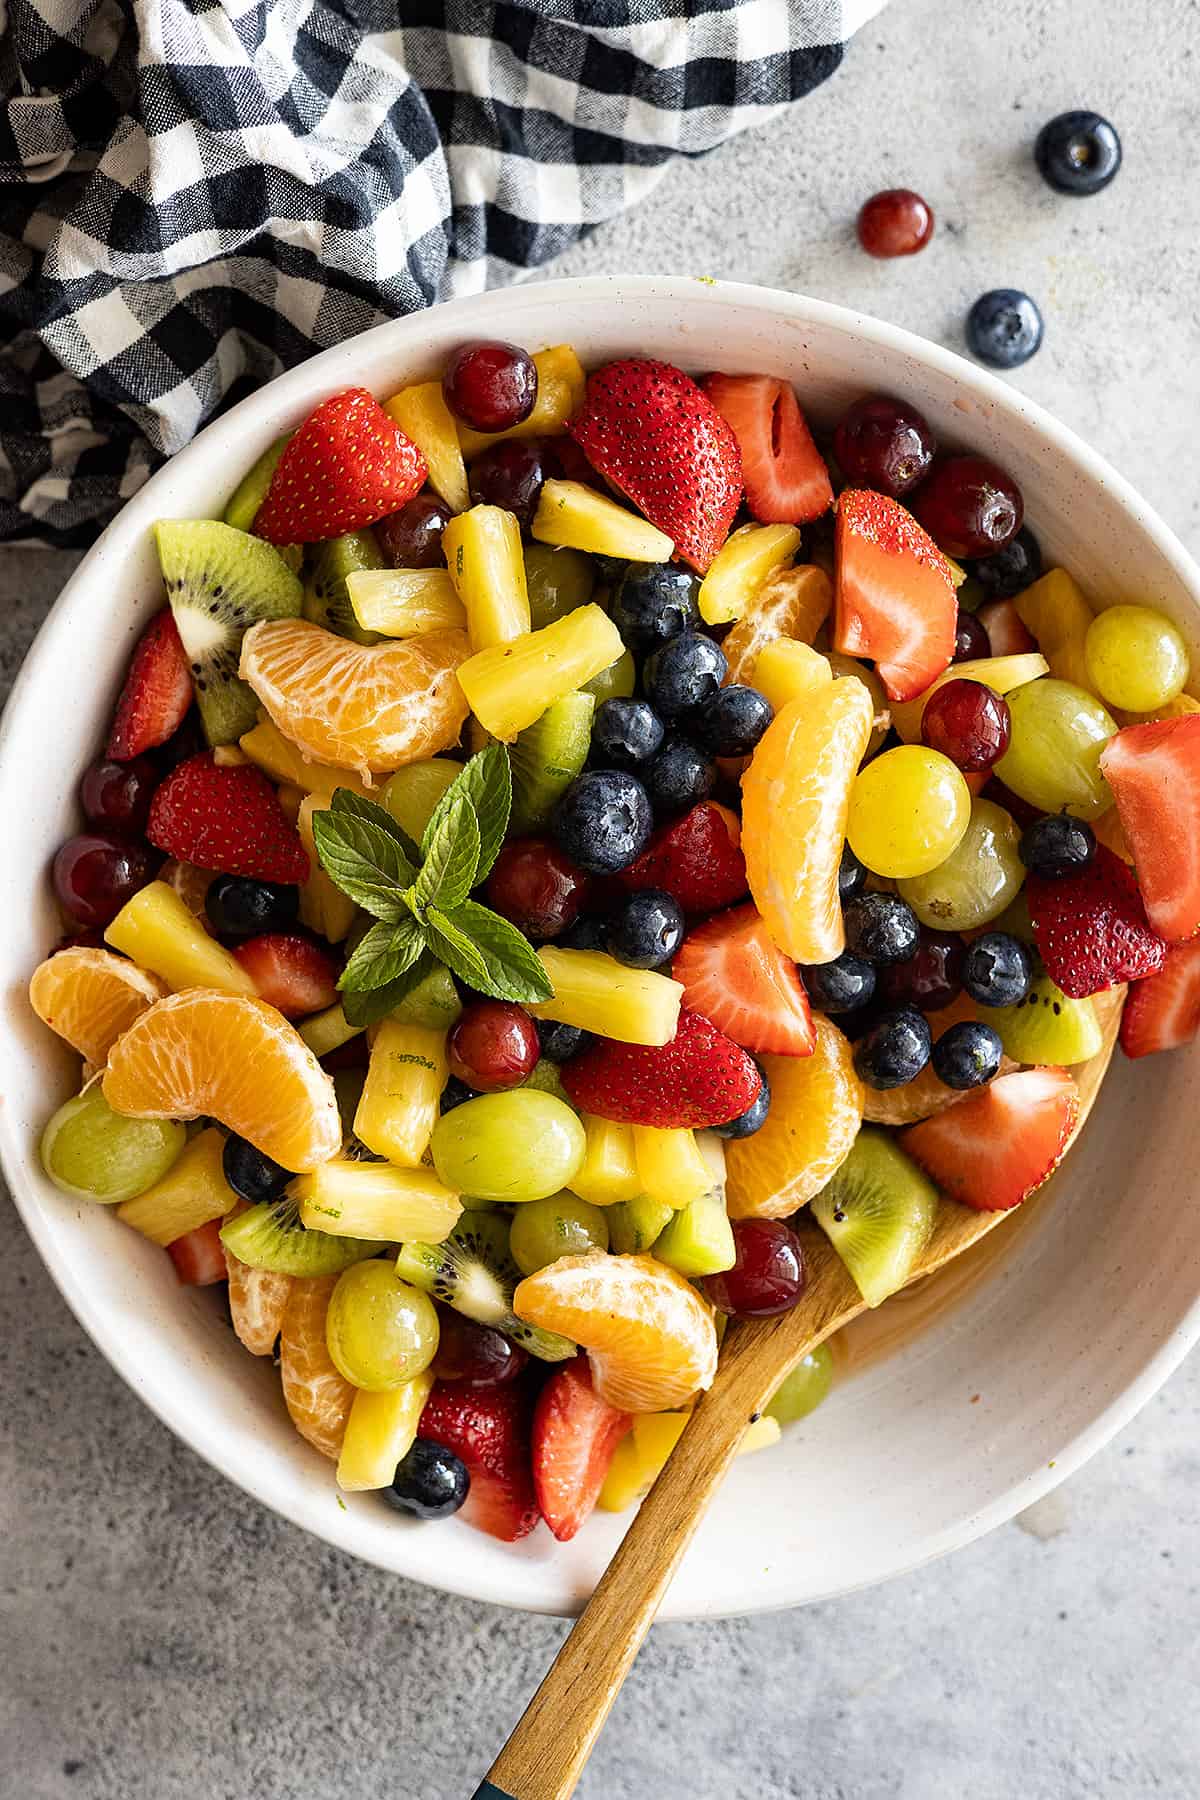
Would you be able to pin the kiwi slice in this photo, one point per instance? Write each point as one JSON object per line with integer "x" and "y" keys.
{"x": 251, "y": 491}
{"x": 698, "y": 1240}
{"x": 473, "y": 1272}
{"x": 634, "y": 1225}
{"x": 220, "y": 581}
{"x": 617, "y": 682}
{"x": 1047, "y": 1026}
{"x": 546, "y": 758}
{"x": 433, "y": 1002}
{"x": 878, "y": 1213}
{"x": 326, "y": 596}
{"x": 270, "y": 1236}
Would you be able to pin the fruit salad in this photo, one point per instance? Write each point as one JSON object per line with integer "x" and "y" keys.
{"x": 568, "y": 837}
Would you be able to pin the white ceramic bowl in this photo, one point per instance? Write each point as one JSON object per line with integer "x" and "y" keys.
{"x": 1007, "y": 1388}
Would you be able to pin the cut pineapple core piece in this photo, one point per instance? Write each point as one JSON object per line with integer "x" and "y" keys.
{"x": 399, "y": 1105}
{"x": 323, "y": 906}
{"x": 380, "y": 1433}
{"x": 597, "y": 993}
{"x": 487, "y": 567}
{"x": 510, "y": 686}
{"x": 191, "y": 1193}
{"x": 375, "y": 1201}
{"x": 608, "y": 1173}
{"x": 786, "y": 670}
{"x": 422, "y": 412}
{"x": 279, "y": 758}
{"x": 402, "y": 603}
{"x": 561, "y": 388}
{"x": 577, "y": 517}
{"x": 670, "y": 1166}
{"x": 156, "y": 929}
{"x": 745, "y": 560}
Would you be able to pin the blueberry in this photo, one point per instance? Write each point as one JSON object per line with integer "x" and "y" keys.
{"x": 679, "y": 777}
{"x": 1078, "y": 153}
{"x": 252, "y": 1174}
{"x": 603, "y": 821}
{"x": 967, "y": 1055}
{"x": 684, "y": 675}
{"x": 997, "y": 970}
{"x": 1009, "y": 570}
{"x": 647, "y": 930}
{"x": 585, "y": 934}
{"x": 852, "y": 875}
{"x": 895, "y": 1050}
{"x": 1057, "y": 846}
{"x": 841, "y": 985}
{"x": 1004, "y": 328}
{"x": 653, "y": 602}
{"x": 731, "y": 723}
{"x": 625, "y": 733}
{"x": 430, "y": 1482}
{"x": 456, "y": 1093}
{"x": 561, "y": 1042}
{"x": 239, "y": 907}
{"x": 881, "y": 927}
{"x": 754, "y": 1117}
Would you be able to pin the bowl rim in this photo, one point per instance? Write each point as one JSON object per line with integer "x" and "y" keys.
{"x": 280, "y": 399}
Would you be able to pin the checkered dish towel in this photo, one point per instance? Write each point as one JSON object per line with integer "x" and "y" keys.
{"x": 196, "y": 196}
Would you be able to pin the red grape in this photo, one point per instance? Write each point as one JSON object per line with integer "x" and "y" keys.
{"x": 117, "y": 795}
{"x": 96, "y": 873}
{"x": 931, "y": 978}
{"x": 493, "y": 1046}
{"x": 412, "y": 537}
{"x": 883, "y": 444}
{"x": 510, "y": 474}
{"x": 490, "y": 386}
{"x": 896, "y": 222}
{"x": 971, "y": 641}
{"x": 969, "y": 506}
{"x": 477, "y": 1355}
{"x": 538, "y": 888}
{"x": 968, "y": 722}
{"x": 768, "y": 1275}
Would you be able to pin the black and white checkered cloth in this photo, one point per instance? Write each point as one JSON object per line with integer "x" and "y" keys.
{"x": 194, "y": 196}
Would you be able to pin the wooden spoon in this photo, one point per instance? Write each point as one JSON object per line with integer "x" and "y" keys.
{"x": 545, "y": 1756}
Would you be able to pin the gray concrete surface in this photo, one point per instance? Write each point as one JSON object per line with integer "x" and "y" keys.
{"x": 164, "y": 1639}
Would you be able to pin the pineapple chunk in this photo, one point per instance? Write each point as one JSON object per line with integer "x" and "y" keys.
{"x": 640, "y": 1459}
{"x": 191, "y": 1193}
{"x": 487, "y": 567}
{"x": 670, "y": 1166}
{"x": 328, "y": 1030}
{"x": 571, "y": 514}
{"x": 745, "y": 560}
{"x": 323, "y": 906}
{"x": 1058, "y": 614}
{"x": 510, "y": 686}
{"x": 1002, "y": 673}
{"x": 608, "y": 1173}
{"x": 279, "y": 758}
{"x": 562, "y": 385}
{"x": 404, "y": 603}
{"x": 158, "y": 932}
{"x": 422, "y": 412}
{"x": 786, "y": 670}
{"x": 760, "y": 1434}
{"x": 375, "y": 1201}
{"x": 399, "y": 1105}
{"x": 597, "y": 993}
{"x": 380, "y": 1432}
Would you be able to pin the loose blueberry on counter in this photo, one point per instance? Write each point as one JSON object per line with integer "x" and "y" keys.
{"x": 852, "y": 875}
{"x": 647, "y": 930}
{"x": 929, "y": 979}
{"x": 1057, "y": 846}
{"x": 683, "y": 675}
{"x": 1010, "y": 570}
{"x": 412, "y": 537}
{"x": 896, "y": 222}
{"x": 884, "y": 444}
{"x": 490, "y": 386}
{"x": 1004, "y": 328}
{"x": 653, "y": 602}
{"x": 971, "y": 641}
{"x": 561, "y": 1042}
{"x": 510, "y": 474}
{"x": 997, "y": 970}
{"x": 239, "y": 907}
{"x": 456, "y": 1093}
{"x": 679, "y": 777}
{"x": 754, "y": 1117}
{"x": 116, "y": 796}
{"x": 625, "y": 734}
{"x": 882, "y": 928}
{"x": 840, "y": 986}
{"x": 430, "y": 1482}
{"x": 603, "y": 821}
{"x": 967, "y": 1055}
{"x": 585, "y": 934}
{"x": 732, "y": 722}
{"x": 250, "y": 1172}
{"x": 894, "y": 1050}
{"x": 1078, "y": 153}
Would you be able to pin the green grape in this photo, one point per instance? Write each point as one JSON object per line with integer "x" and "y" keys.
{"x": 379, "y": 1331}
{"x": 558, "y": 580}
{"x": 559, "y": 1225}
{"x": 908, "y": 810}
{"x": 617, "y": 682}
{"x": 979, "y": 878}
{"x": 1015, "y": 919}
{"x": 1053, "y": 756}
{"x": 411, "y": 794}
{"x": 1136, "y": 658}
{"x": 521, "y": 1145}
{"x": 803, "y": 1390}
{"x": 94, "y": 1153}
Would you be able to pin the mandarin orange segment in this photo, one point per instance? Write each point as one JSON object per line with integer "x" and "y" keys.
{"x": 369, "y": 707}
{"x": 235, "y": 1059}
{"x": 89, "y": 997}
{"x": 795, "y": 797}
{"x": 317, "y": 1396}
{"x": 257, "y": 1300}
{"x": 793, "y": 603}
{"x": 650, "y": 1337}
{"x": 816, "y": 1110}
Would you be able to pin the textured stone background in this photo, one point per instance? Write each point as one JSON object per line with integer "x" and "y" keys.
{"x": 163, "y": 1639}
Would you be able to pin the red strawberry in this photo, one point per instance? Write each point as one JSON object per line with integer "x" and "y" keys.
{"x": 893, "y": 594}
{"x": 226, "y": 818}
{"x": 199, "y": 1255}
{"x": 1154, "y": 773}
{"x": 994, "y": 1148}
{"x": 786, "y": 480}
{"x": 574, "y": 1436}
{"x": 1091, "y": 929}
{"x": 700, "y": 1078}
{"x": 156, "y": 694}
{"x": 1005, "y": 628}
{"x": 347, "y": 466}
{"x": 736, "y": 975}
{"x": 290, "y": 971}
{"x": 696, "y": 858}
{"x": 488, "y": 1429}
{"x": 1163, "y": 1011}
{"x": 659, "y": 440}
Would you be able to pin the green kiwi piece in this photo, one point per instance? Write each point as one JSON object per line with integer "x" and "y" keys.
{"x": 270, "y": 1236}
{"x": 546, "y": 758}
{"x": 473, "y": 1271}
{"x": 1047, "y": 1026}
{"x": 433, "y": 1002}
{"x": 635, "y": 1225}
{"x": 698, "y": 1240}
{"x": 617, "y": 682}
{"x": 878, "y": 1213}
{"x": 220, "y": 581}
{"x": 547, "y": 1078}
{"x": 326, "y": 596}
{"x": 558, "y": 581}
{"x": 251, "y": 490}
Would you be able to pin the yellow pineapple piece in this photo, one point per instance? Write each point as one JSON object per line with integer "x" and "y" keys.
{"x": 597, "y": 993}
{"x": 375, "y": 1201}
{"x": 193, "y": 1191}
{"x": 786, "y": 670}
{"x": 572, "y": 514}
{"x": 399, "y": 1105}
{"x": 487, "y": 567}
{"x": 609, "y": 1172}
{"x": 509, "y": 686}
{"x": 279, "y": 758}
{"x": 957, "y": 573}
{"x": 1001, "y": 673}
{"x": 422, "y": 412}
{"x": 158, "y": 932}
{"x": 328, "y": 1030}
{"x": 561, "y": 388}
{"x": 640, "y": 1459}
{"x": 380, "y": 1433}
{"x": 670, "y": 1166}
{"x": 323, "y": 906}
{"x": 403, "y": 603}
{"x": 760, "y": 1434}
{"x": 745, "y": 560}
{"x": 1057, "y": 612}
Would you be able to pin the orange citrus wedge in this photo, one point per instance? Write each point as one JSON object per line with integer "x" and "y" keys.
{"x": 650, "y": 1337}
{"x": 235, "y": 1059}
{"x": 317, "y": 1396}
{"x": 816, "y": 1110}
{"x": 793, "y": 603}
{"x": 369, "y": 707}
{"x": 257, "y": 1300}
{"x": 89, "y": 997}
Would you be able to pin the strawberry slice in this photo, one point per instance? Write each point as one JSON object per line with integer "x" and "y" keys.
{"x": 994, "y": 1148}
{"x": 227, "y": 818}
{"x": 1163, "y": 1011}
{"x": 1091, "y": 929}
{"x": 488, "y": 1429}
{"x": 734, "y": 973}
{"x": 785, "y": 476}
{"x": 1154, "y": 773}
{"x": 700, "y": 1078}
{"x": 893, "y": 595}
{"x": 347, "y": 465}
{"x": 199, "y": 1255}
{"x": 290, "y": 972}
{"x": 574, "y": 1435}
{"x": 697, "y": 859}
{"x": 660, "y": 441}
{"x": 157, "y": 691}
{"x": 1005, "y": 628}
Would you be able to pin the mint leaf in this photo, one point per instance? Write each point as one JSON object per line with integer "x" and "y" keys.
{"x": 486, "y": 781}
{"x": 345, "y": 800}
{"x": 382, "y": 955}
{"x": 452, "y": 946}
{"x": 451, "y": 859}
{"x": 368, "y": 1008}
{"x": 512, "y": 969}
{"x": 365, "y": 861}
